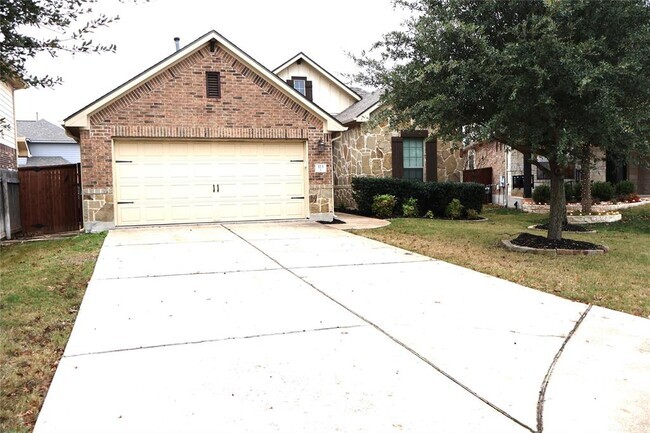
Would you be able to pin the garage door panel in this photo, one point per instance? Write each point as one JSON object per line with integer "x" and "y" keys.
{"x": 174, "y": 182}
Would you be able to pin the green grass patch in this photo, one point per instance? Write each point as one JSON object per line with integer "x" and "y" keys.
{"x": 619, "y": 280}
{"x": 42, "y": 284}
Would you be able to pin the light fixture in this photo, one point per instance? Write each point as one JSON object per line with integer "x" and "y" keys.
{"x": 321, "y": 145}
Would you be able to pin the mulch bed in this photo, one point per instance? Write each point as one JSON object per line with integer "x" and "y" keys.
{"x": 541, "y": 242}
{"x": 565, "y": 228}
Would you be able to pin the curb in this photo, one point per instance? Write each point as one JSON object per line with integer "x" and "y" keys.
{"x": 552, "y": 252}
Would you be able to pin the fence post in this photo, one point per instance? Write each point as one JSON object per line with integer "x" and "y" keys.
{"x": 5, "y": 198}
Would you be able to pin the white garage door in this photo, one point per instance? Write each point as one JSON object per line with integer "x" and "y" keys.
{"x": 187, "y": 182}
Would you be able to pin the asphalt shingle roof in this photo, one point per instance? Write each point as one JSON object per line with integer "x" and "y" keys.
{"x": 352, "y": 112}
{"x": 42, "y": 131}
{"x": 41, "y": 161}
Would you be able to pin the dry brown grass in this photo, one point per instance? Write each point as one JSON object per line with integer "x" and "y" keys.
{"x": 42, "y": 284}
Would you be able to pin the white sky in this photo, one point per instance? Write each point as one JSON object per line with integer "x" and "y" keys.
{"x": 269, "y": 31}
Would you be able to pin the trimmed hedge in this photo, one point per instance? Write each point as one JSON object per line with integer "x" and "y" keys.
{"x": 431, "y": 196}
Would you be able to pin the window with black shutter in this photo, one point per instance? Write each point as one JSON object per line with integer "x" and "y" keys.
{"x": 213, "y": 84}
{"x": 302, "y": 86}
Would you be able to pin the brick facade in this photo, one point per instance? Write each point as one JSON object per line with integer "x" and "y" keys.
{"x": 173, "y": 104}
{"x": 8, "y": 158}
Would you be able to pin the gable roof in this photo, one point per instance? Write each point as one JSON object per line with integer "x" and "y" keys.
{"x": 360, "y": 112}
{"x": 42, "y": 131}
{"x": 80, "y": 119}
{"x": 303, "y": 57}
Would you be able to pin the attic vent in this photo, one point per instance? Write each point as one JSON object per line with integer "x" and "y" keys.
{"x": 213, "y": 84}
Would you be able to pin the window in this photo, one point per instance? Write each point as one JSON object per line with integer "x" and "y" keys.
{"x": 212, "y": 84}
{"x": 302, "y": 85}
{"x": 414, "y": 156}
{"x": 299, "y": 85}
{"x": 413, "y": 159}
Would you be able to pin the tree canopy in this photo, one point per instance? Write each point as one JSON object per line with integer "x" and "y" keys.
{"x": 542, "y": 76}
{"x": 30, "y": 27}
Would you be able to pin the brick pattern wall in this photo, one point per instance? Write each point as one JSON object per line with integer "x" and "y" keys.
{"x": 173, "y": 104}
{"x": 8, "y": 157}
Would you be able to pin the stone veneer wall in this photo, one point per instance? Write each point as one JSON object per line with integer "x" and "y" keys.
{"x": 365, "y": 150}
{"x": 172, "y": 105}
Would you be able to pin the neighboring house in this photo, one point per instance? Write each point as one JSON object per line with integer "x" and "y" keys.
{"x": 636, "y": 174}
{"x": 207, "y": 134}
{"x": 8, "y": 158}
{"x": 9, "y": 189}
{"x": 45, "y": 144}
{"x": 507, "y": 167}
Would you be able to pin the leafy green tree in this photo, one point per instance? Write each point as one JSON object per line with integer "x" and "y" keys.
{"x": 30, "y": 27}
{"x": 545, "y": 77}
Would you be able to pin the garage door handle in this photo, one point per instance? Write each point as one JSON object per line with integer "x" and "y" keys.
{"x": 213, "y": 188}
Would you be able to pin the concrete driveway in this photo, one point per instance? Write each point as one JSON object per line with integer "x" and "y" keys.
{"x": 298, "y": 327}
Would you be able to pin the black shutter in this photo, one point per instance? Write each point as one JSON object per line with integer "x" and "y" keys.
{"x": 212, "y": 84}
{"x": 290, "y": 83}
{"x": 397, "y": 148}
{"x": 431, "y": 164}
{"x": 308, "y": 90}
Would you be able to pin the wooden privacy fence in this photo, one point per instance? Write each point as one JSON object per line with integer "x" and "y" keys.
{"x": 9, "y": 204}
{"x": 481, "y": 175}
{"x": 50, "y": 199}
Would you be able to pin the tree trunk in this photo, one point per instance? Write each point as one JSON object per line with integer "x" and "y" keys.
{"x": 557, "y": 215}
{"x": 585, "y": 181}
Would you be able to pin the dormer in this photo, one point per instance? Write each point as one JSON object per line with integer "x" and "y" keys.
{"x": 316, "y": 84}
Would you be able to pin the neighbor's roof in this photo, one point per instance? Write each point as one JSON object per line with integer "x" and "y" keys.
{"x": 42, "y": 161}
{"x": 303, "y": 57}
{"x": 42, "y": 131}
{"x": 360, "y": 112}
{"x": 80, "y": 119}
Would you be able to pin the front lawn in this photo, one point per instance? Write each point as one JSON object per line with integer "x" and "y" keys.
{"x": 619, "y": 279}
{"x": 42, "y": 284}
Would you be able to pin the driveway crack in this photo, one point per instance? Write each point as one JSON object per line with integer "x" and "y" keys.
{"x": 549, "y": 373}
{"x": 393, "y": 338}
{"x": 213, "y": 340}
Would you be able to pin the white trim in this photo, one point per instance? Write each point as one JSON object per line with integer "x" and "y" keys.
{"x": 332, "y": 78}
{"x": 81, "y": 119}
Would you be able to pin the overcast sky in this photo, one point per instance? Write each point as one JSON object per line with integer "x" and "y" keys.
{"x": 270, "y": 31}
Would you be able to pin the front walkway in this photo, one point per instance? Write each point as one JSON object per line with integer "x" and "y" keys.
{"x": 297, "y": 327}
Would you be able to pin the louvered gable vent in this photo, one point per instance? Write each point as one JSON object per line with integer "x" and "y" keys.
{"x": 213, "y": 84}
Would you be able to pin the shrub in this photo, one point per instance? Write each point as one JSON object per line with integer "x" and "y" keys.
{"x": 542, "y": 194}
{"x": 430, "y": 196}
{"x": 454, "y": 209}
{"x": 383, "y": 205}
{"x": 429, "y": 214}
{"x": 410, "y": 208}
{"x": 577, "y": 191}
{"x": 602, "y": 191}
{"x": 624, "y": 189}
{"x": 472, "y": 214}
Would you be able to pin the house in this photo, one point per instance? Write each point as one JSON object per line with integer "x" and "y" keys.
{"x": 45, "y": 144}
{"x": 209, "y": 134}
{"x": 8, "y": 159}
{"x": 505, "y": 169}
{"x": 371, "y": 147}
{"x": 9, "y": 198}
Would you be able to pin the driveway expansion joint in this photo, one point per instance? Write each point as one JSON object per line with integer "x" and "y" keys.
{"x": 394, "y": 339}
{"x": 214, "y": 340}
{"x": 547, "y": 377}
